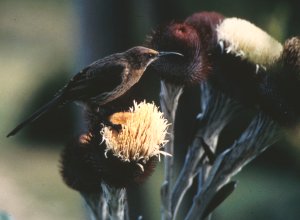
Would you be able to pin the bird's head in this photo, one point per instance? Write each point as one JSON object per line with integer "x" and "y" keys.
{"x": 141, "y": 57}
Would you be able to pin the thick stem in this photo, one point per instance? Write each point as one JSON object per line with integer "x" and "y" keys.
{"x": 116, "y": 202}
{"x": 169, "y": 97}
{"x": 217, "y": 111}
{"x": 96, "y": 206}
{"x": 260, "y": 134}
{"x": 186, "y": 176}
{"x": 203, "y": 174}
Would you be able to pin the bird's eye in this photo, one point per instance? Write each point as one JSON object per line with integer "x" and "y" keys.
{"x": 150, "y": 55}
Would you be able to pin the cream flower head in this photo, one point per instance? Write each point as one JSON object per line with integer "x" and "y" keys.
{"x": 246, "y": 40}
{"x": 142, "y": 135}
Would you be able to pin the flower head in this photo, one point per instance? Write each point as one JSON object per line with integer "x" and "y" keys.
{"x": 248, "y": 41}
{"x": 142, "y": 134}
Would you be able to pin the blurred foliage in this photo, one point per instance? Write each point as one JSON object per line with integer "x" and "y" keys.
{"x": 49, "y": 128}
{"x": 43, "y": 43}
{"x": 4, "y": 216}
{"x": 263, "y": 194}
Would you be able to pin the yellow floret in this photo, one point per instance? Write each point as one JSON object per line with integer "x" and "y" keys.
{"x": 142, "y": 134}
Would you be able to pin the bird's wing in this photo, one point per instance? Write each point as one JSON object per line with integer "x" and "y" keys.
{"x": 90, "y": 82}
{"x": 94, "y": 80}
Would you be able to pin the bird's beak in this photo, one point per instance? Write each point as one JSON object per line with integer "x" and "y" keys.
{"x": 163, "y": 53}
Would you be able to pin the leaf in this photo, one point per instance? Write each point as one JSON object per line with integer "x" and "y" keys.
{"x": 219, "y": 197}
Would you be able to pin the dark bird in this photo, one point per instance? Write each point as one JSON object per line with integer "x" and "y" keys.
{"x": 102, "y": 82}
{"x": 237, "y": 57}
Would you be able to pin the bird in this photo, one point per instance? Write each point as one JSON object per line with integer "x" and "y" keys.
{"x": 236, "y": 57}
{"x": 102, "y": 82}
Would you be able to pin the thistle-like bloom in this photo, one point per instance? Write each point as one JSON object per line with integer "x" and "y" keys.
{"x": 118, "y": 158}
{"x": 237, "y": 58}
{"x": 142, "y": 134}
{"x": 255, "y": 45}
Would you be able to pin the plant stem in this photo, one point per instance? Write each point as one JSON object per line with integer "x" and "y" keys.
{"x": 96, "y": 206}
{"x": 217, "y": 111}
{"x": 260, "y": 134}
{"x": 116, "y": 202}
{"x": 169, "y": 97}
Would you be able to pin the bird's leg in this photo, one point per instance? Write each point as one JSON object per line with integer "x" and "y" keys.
{"x": 95, "y": 113}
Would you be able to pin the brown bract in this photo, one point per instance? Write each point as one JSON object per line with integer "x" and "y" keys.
{"x": 291, "y": 54}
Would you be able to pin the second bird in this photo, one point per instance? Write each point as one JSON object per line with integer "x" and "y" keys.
{"x": 101, "y": 82}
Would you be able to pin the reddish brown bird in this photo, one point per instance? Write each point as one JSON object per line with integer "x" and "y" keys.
{"x": 102, "y": 82}
{"x": 235, "y": 56}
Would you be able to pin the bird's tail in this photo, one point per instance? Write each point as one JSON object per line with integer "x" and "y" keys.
{"x": 50, "y": 105}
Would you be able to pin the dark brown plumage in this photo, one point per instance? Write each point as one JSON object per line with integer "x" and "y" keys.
{"x": 101, "y": 83}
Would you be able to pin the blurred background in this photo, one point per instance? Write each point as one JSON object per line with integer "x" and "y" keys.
{"x": 43, "y": 43}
